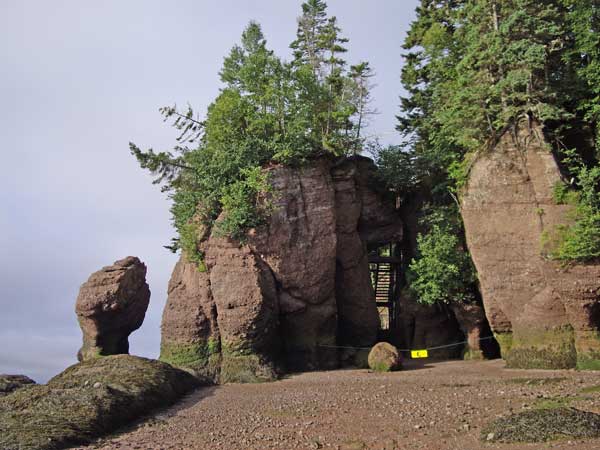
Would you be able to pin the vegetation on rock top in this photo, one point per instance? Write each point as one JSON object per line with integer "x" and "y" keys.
{"x": 268, "y": 111}
{"x": 472, "y": 70}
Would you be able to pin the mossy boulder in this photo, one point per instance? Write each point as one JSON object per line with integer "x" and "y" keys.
{"x": 384, "y": 357}
{"x": 10, "y": 383}
{"x": 87, "y": 400}
{"x": 543, "y": 425}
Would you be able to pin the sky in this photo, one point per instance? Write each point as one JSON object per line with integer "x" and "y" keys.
{"x": 81, "y": 79}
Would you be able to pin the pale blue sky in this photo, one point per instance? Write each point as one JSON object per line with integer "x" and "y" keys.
{"x": 78, "y": 81}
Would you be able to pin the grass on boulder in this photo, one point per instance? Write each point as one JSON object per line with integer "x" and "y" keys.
{"x": 88, "y": 400}
{"x": 10, "y": 383}
{"x": 542, "y": 425}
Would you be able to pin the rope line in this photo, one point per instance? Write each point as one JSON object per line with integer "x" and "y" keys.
{"x": 407, "y": 349}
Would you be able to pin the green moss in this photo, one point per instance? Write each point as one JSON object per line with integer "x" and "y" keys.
{"x": 380, "y": 366}
{"x": 241, "y": 364}
{"x": 505, "y": 342}
{"x": 543, "y": 349}
{"x": 591, "y": 389}
{"x": 553, "y": 403}
{"x": 472, "y": 355}
{"x": 588, "y": 350}
{"x": 87, "y": 400}
{"x": 195, "y": 355}
{"x": 246, "y": 369}
{"x": 587, "y": 363}
{"x": 545, "y": 424}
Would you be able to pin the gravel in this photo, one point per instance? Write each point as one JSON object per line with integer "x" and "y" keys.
{"x": 430, "y": 406}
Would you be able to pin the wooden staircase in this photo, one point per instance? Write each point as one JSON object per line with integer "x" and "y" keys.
{"x": 385, "y": 275}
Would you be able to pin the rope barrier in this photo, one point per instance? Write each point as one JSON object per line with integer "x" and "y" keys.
{"x": 407, "y": 349}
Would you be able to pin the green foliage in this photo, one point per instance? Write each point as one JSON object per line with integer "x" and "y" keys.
{"x": 580, "y": 240}
{"x": 443, "y": 271}
{"x": 474, "y": 68}
{"x": 242, "y": 204}
{"x": 268, "y": 111}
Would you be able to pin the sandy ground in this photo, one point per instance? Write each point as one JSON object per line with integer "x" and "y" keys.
{"x": 433, "y": 406}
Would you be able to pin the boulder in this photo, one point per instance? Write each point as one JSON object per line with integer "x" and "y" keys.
{"x": 88, "y": 400}
{"x": 384, "y": 357}
{"x": 111, "y": 305}
{"x": 544, "y": 315}
{"x": 10, "y": 383}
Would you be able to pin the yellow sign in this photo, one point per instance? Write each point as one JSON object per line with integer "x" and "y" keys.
{"x": 418, "y": 354}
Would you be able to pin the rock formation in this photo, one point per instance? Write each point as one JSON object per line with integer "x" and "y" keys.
{"x": 472, "y": 321}
{"x": 544, "y": 315}
{"x": 295, "y": 287}
{"x": 112, "y": 304}
{"x": 424, "y": 326}
{"x": 362, "y": 219}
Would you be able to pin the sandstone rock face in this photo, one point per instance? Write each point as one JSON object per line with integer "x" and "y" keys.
{"x": 544, "y": 315}
{"x": 294, "y": 289}
{"x": 426, "y": 326}
{"x": 190, "y": 333}
{"x": 299, "y": 247}
{"x": 111, "y": 305}
{"x": 384, "y": 357}
{"x": 362, "y": 219}
{"x": 473, "y": 323}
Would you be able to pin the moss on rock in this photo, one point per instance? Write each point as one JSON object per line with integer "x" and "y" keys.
{"x": 472, "y": 355}
{"x": 543, "y": 349}
{"x": 384, "y": 357}
{"x": 246, "y": 369}
{"x": 240, "y": 363}
{"x": 10, "y": 383}
{"x": 588, "y": 350}
{"x": 542, "y": 425}
{"x": 202, "y": 358}
{"x": 505, "y": 342}
{"x": 88, "y": 400}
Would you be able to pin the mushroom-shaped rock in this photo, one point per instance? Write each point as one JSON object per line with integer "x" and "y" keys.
{"x": 384, "y": 357}
{"x": 111, "y": 305}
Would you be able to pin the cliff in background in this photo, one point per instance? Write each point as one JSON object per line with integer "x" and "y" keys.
{"x": 543, "y": 314}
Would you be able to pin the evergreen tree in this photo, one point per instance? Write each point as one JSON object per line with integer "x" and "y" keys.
{"x": 308, "y": 46}
{"x": 474, "y": 68}
{"x": 268, "y": 111}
